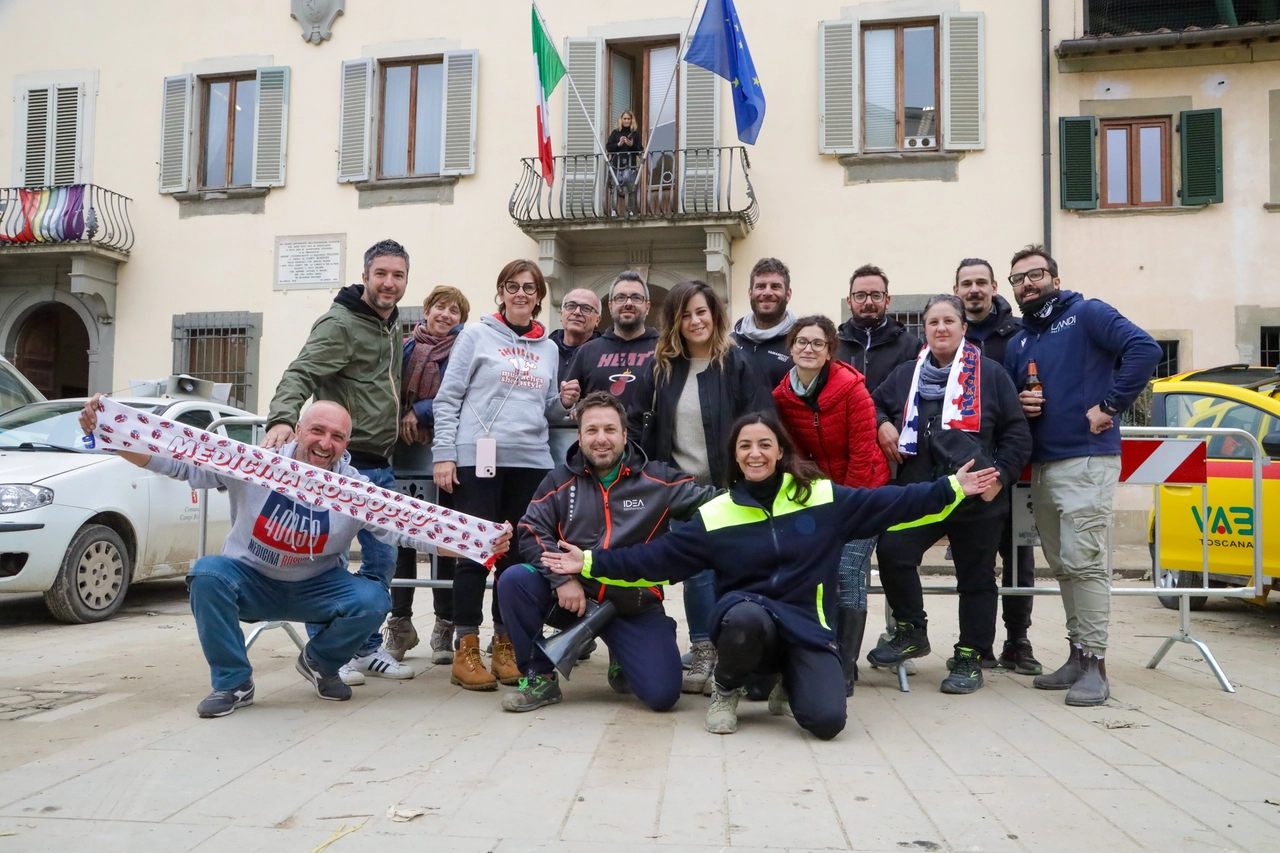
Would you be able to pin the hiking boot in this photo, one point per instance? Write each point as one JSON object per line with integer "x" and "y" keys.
{"x": 722, "y": 716}
{"x": 350, "y": 677}
{"x": 1064, "y": 676}
{"x": 1091, "y": 688}
{"x": 1017, "y": 656}
{"x": 399, "y": 636}
{"x": 502, "y": 662}
{"x": 327, "y": 686}
{"x": 536, "y": 691}
{"x": 380, "y": 663}
{"x": 908, "y": 666}
{"x": 698, "y": 677}
{"x": 986, "y": 660}
{"x": 442, "y": 644}
{"x": 906, "y": 643}
{"x": 779, "y": 703}
{"x": 219, "y": 703}
{"x": 468, "y": 667}
{"x": 966, "y": 672}
{"x": 617, "y": 678}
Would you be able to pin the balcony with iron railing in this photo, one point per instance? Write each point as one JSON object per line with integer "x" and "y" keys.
{"x": 84, "y": 216}
{"x": 1121, "y": 34}
{"x": 681, "y": 187}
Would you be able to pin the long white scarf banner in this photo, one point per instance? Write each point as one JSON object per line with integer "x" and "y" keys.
{"x": 425, "y": 525}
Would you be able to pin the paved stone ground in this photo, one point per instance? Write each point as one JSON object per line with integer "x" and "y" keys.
{"x": 100, "y": 748}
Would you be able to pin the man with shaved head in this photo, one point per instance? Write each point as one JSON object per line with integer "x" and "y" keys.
{"x": 282, "y": 560}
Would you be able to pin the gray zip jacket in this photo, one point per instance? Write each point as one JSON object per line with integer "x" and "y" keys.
{"x": 503, "y": 381}
{"x": 277, "y": 536}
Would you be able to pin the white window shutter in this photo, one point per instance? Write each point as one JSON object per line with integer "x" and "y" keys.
{"x": 175, "y": 133}
{"x": 584, "y": 61}
{"x": 458, "y": 124}
{"x": 964, "y": 106}
{"x": 37, "y": 112}
{"x": 355, "y": 121}
{"x": 838, "y": 87}
{"x": 68, "y": 117}
{"x": 271, "y": 127}
{"x": 699, "y": 138}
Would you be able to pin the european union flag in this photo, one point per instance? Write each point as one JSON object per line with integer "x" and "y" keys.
{"x": 719, "y": 46}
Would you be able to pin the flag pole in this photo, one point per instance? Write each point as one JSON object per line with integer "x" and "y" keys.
{"x": 595, "y": 134}
{"x": 684, "y": 42}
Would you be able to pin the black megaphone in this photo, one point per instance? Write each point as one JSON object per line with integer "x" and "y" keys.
{"x": 564, "y": 649}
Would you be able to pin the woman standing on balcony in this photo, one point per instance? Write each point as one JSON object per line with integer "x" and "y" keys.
{"x": 624, "y": 146}
{"x": 491, "y": 447}
{"x": 702, "y": 385}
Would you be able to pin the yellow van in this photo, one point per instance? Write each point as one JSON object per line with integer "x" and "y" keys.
{"x": 1240, "y": 397}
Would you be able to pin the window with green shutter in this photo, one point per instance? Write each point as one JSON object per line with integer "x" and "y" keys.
{"x": 1079, "y": 177}
{"x": 1201, "y": 156}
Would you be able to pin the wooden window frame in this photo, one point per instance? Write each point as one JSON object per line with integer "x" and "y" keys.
{"x": 205, "y": 83}
{"x": 413, "y": 65}
{"x": 1133, "y": 125}
{"x": 899, "y": 65}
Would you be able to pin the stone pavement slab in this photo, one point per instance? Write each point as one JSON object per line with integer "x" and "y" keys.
{"x": 1171, "y": 763}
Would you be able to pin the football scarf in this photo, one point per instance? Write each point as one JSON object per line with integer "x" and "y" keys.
{"x": 961, "y": 404}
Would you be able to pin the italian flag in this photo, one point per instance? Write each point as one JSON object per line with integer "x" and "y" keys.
{"x": 550, "y": 70}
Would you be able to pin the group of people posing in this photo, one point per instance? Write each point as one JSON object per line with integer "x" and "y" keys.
{"x": 759, "y": 463}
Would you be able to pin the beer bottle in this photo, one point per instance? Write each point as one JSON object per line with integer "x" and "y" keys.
{"x": 1033, "y": 379}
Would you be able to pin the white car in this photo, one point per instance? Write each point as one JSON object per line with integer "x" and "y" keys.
{"x": 80, "y": 526}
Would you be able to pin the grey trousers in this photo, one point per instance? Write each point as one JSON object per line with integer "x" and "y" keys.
{"x": 1072, "y": 500}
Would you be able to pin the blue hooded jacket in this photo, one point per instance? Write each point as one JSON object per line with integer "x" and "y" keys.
{"x": 1087, "y": 354}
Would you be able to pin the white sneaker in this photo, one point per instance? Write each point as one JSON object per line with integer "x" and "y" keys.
{"x": 349, "y": 676}
{"x": 382, "y": 664}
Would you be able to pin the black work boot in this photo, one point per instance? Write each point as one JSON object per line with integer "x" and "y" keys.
{"x": 1064, "y": 676}
{"x": 853, "y": 625}
{"x": 1091, "y": 688}
{"x": 966, "y": 672}
{"x": 907, "y": 642}
{"x": 1019, "y": 657}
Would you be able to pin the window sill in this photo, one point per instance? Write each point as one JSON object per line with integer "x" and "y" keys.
{"x": 1173, "y": 210}
{"x": 1272, "y": 207}
{"x": 878, "y": 166}
{"x": 390, "y": 191}
{"x": 222, "y": 202}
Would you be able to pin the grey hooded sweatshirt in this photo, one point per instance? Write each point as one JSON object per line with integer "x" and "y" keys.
{"x": 279, "y": 537}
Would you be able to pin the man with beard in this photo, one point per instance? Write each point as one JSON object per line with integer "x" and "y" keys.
{"x": 762, "y": 334}
{"x": 579, "y": 316}
{"x": 353, "y": 357}
{"x": 870, "y": 340}
{"x": 990, "y": 326}
{"x": 1092, "y": 364}
{"x": 621, "y": 360}
{"x": 607, "y": 494}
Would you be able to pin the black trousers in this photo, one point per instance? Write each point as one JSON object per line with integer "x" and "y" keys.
{"x": 749, "y": 644}
{"x": 974, "y": 543}
{"x": 1016, "y": 608}
{"x": 402, "y": 597}
{"x": 503, "y": 498}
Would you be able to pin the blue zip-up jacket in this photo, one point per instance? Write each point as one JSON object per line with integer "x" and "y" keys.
{"x": 1087, "y": 354}
{"x": 785, "y": 558}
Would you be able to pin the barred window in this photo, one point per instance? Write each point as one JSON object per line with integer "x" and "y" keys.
{"x": 913, "y": 320}
{"x": 222, "y": 347}
{"x": 410, "y": 316}
{"x": 1269, "y": 349}
{"x": 1168, "y": 365}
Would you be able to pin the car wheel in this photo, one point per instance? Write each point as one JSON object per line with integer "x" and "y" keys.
{"x": 93, "y": 578}
{"x": 1164, "y": 579}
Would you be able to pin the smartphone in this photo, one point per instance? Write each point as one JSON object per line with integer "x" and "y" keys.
{"x": 486, "y": 457}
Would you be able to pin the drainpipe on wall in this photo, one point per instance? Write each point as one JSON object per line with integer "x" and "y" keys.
{"x": 1045, "y": 127}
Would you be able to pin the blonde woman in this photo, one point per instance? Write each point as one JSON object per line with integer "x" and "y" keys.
{"x": 625, "y": 146}
{"x": 702, "y": 385}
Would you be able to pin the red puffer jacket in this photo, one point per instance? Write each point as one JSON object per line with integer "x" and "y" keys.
{"x": 840, "y": 436}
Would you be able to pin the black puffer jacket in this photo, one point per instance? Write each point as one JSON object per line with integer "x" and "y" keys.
{"x": 992, "y": 334}
{"x": 876, "y": 352}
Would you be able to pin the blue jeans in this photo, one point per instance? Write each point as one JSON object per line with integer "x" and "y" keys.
{"x": 699, "y": 599}
{"x": 377, "y": 559}
{"x": 224, "y": 592}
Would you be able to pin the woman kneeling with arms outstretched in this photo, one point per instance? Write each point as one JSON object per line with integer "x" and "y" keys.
{"x": 774, "y": 543}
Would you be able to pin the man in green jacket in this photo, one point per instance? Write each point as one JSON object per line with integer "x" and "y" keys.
{"x": 353, "y": 357}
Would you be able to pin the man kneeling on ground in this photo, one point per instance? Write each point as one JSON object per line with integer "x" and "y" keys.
{"x": 608, "y": 494}
{"x": 282, "y": 561}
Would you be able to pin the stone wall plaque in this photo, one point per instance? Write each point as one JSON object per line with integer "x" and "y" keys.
{"x": 315, "y": 261}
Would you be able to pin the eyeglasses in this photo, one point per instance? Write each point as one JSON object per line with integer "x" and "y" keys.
{"x": 624, "y": 298}
{"x": 800, "y": 345}
{"x": 861, "y": 296}
{"x": 514, "y": 287}
{"x": 578, "y": 307}
{"x": 1030, "y": 275}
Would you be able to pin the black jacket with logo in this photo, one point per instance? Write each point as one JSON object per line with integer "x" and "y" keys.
{"x": 623, "y": 368}
{"x": 992, "y": 334}
{"x": 771, "y": 358}
{"x": 876, "y": 352}
{"x": 571, "y": 504}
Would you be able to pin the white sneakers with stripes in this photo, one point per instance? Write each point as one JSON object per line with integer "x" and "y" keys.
{"x": 380, "y": 664}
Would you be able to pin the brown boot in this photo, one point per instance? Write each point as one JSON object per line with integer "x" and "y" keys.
{"x": 502, "y": 663}
{"x": 468, "y": 667}
{"x": 1064, "y": 676}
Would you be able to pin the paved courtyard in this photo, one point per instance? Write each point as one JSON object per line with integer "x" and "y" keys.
{"x": 101, "y": 749}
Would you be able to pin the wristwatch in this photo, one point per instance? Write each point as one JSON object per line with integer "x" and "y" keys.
{"x": 1108, "y": 410}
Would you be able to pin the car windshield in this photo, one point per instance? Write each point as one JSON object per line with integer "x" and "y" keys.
{"x": 46, "y": 426}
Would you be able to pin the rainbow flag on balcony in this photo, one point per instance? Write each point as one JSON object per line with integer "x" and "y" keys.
{"x": 550, "y": 70}
{"x": 53, "y": 215}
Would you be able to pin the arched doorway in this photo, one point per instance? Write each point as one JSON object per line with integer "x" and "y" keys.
{"x": 53, "y": 351}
